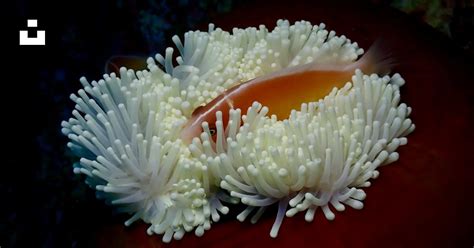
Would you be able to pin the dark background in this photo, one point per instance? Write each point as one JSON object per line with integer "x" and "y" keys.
{"x": 43, "y": 204}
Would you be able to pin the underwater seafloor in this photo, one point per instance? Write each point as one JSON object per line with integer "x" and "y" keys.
{"x": 45, "y": 205}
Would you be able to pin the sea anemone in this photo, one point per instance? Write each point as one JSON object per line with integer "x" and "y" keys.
{"x": 125, "y": 138}
{"x": 126, "y": 127}
{"x": 322, "y": 155}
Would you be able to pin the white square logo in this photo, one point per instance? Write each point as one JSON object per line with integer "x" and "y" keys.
{"x": 39, "y": 39}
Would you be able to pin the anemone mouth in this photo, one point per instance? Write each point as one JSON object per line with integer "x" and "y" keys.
{"x": 128, "y": 129}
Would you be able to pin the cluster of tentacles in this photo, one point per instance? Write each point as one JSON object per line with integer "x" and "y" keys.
{"x": 126, "y": 127}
